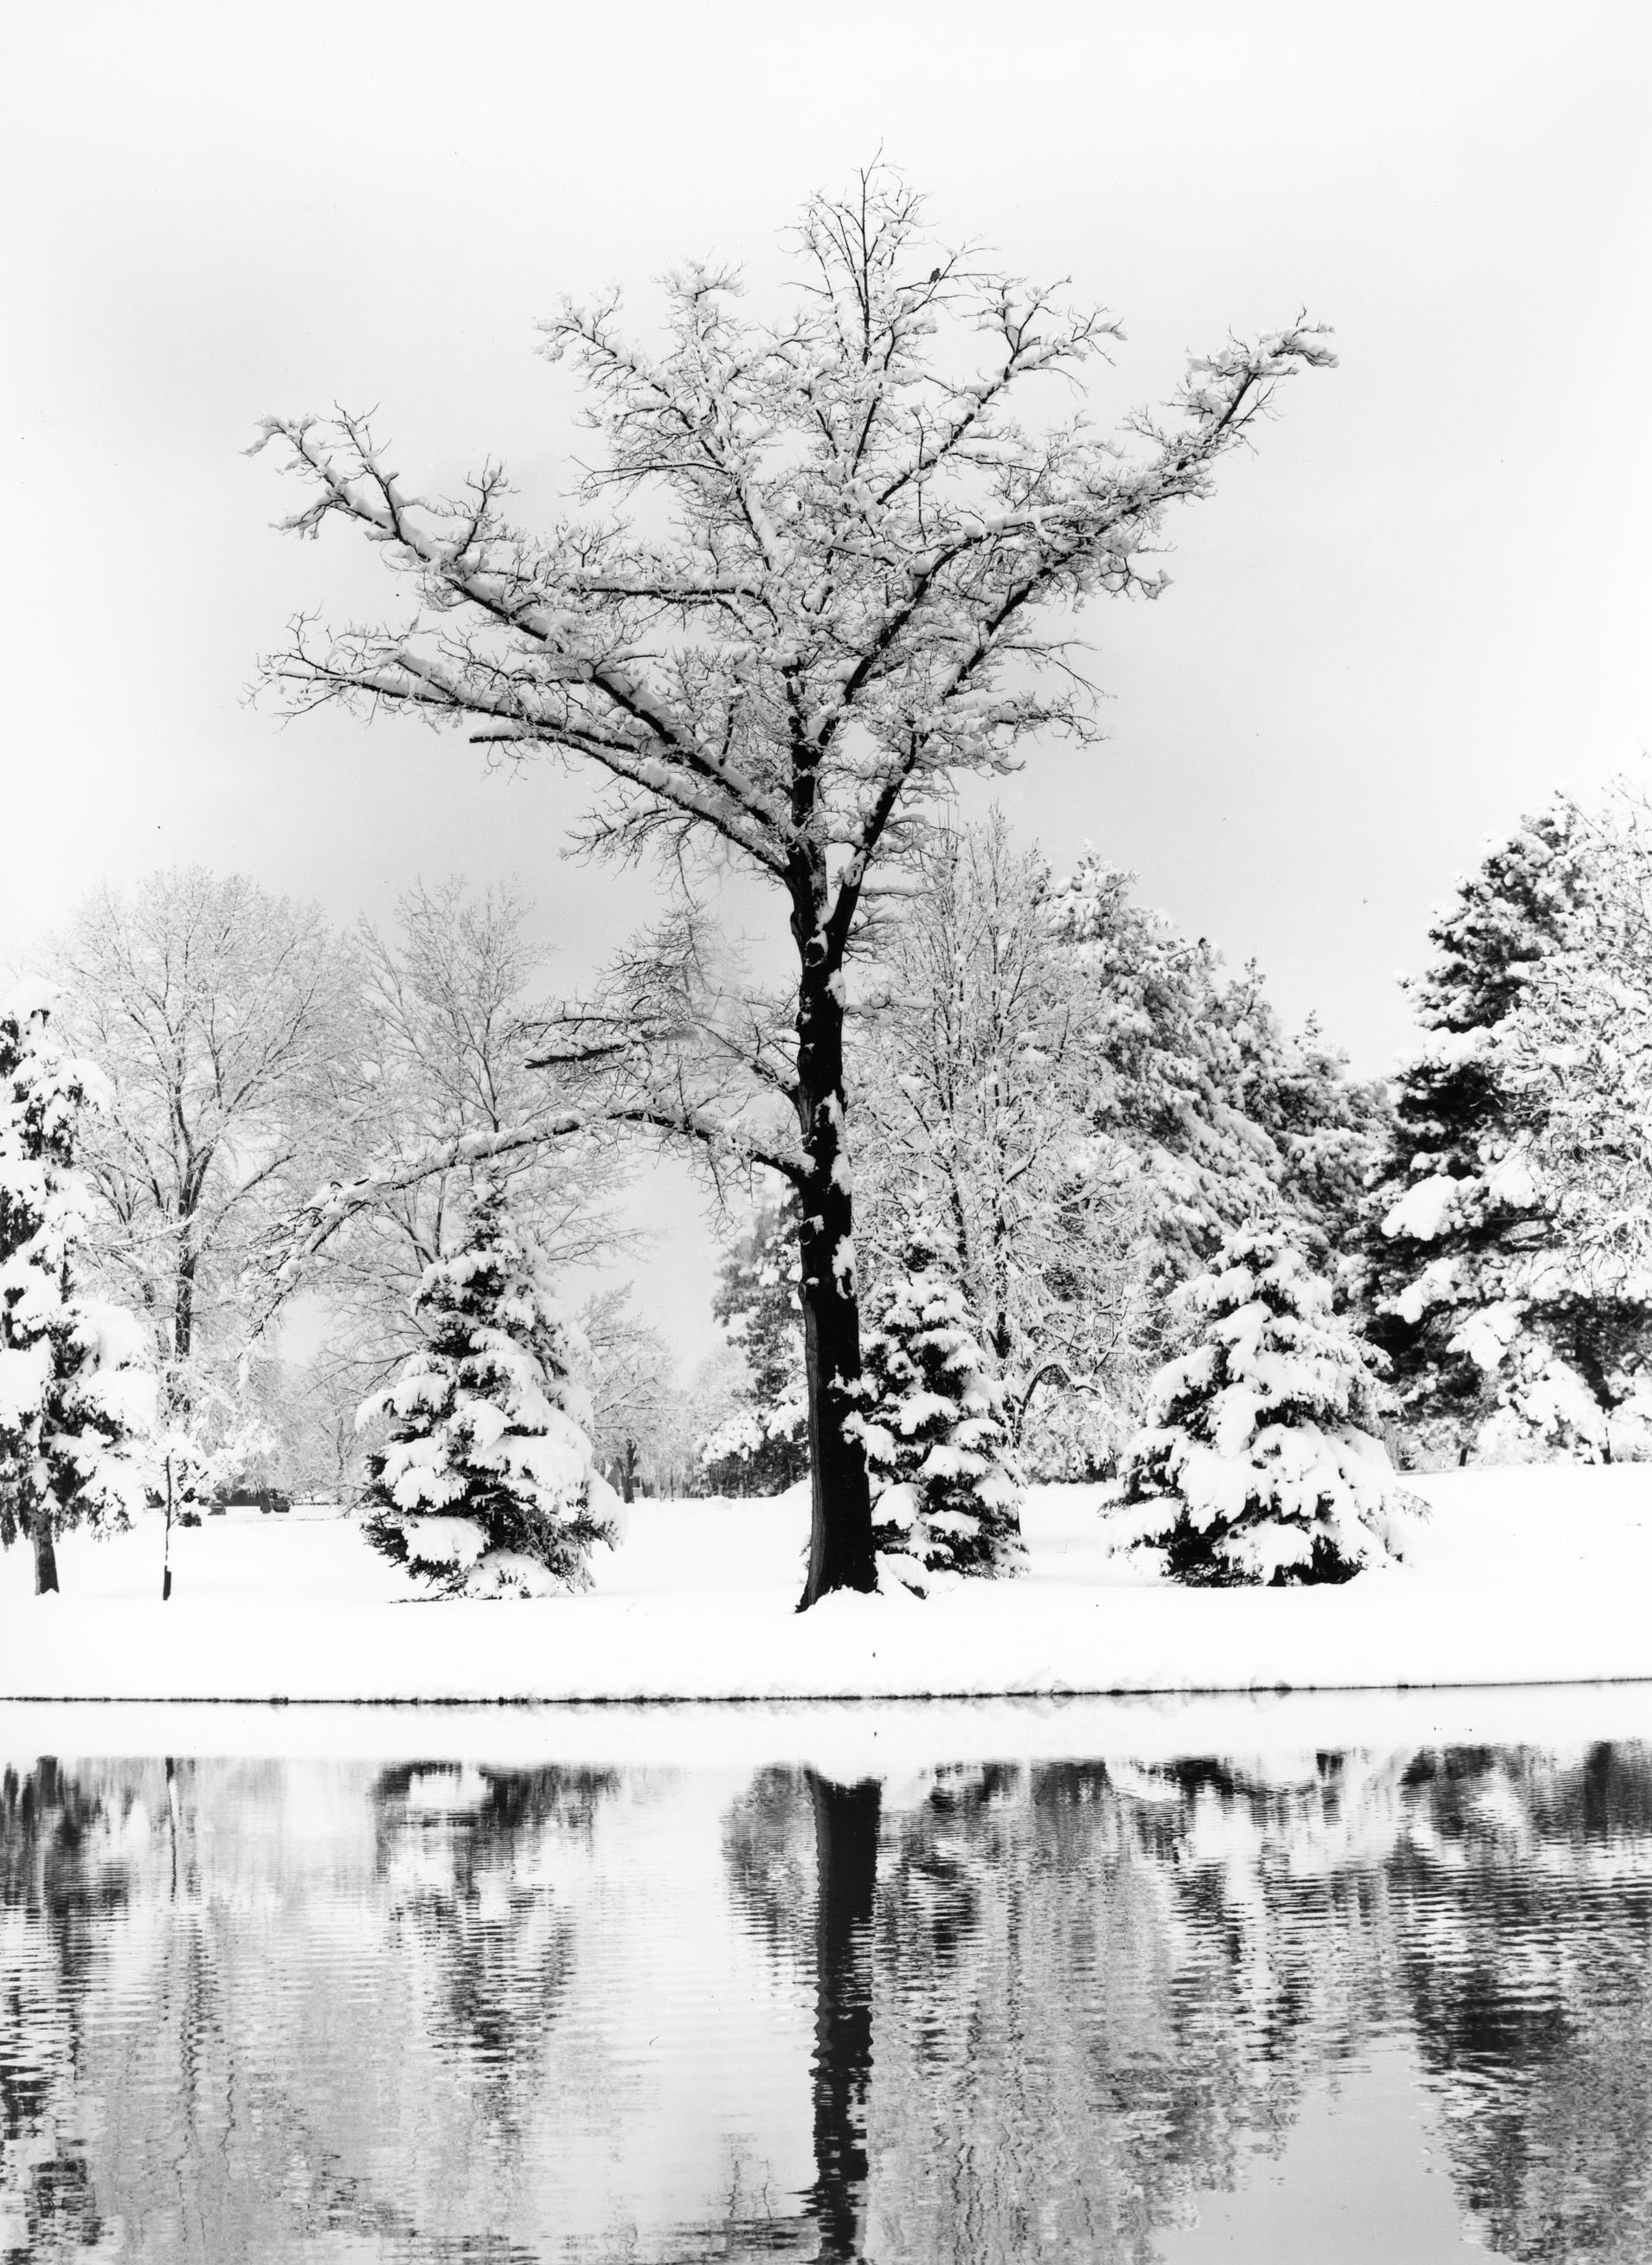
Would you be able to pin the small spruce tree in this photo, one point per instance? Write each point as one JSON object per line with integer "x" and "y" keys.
{"x": 946, "y": 1486}
{"x": 77, "y": 1401}
{"x": 1260, "y": 1460}
{"x": 485, "y": 1484}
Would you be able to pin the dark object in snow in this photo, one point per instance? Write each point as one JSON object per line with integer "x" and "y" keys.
{"x": 266, "y": 1499}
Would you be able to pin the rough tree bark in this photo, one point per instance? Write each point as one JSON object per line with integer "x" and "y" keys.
{"x": 41, "y": 1534}
{"x": 840, "y": 1552}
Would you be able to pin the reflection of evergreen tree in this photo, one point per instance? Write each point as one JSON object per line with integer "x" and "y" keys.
{"x": 1051, "y": 2006}
{"x": 1067, "y": 2044}
{"x": 1526, "y": 1939}
{"x": 501, "y": 1943}
{"x": 58, "y": 1880}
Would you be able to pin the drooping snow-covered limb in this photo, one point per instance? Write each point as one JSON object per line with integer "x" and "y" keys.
{"x": 306, "y": 1231}
{"x": 679, "y": 1038}
{"x": 855, "y": 603}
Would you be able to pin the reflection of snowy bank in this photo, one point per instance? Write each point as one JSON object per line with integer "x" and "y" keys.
{"x": 1532, "y": 1574}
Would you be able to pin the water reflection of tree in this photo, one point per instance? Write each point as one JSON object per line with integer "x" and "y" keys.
{"x": 801, "y": 1855}
{"x": 294, "y": 2107}
{"x": 1053, "y": 2006}
{"x": 1526, "y": 1925}
{"x": 1097, "y": 1993}
{"x": 460, "y": 1851}
{"x": 60, "y": 1875}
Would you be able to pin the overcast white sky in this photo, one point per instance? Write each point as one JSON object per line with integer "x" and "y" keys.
{"x": 1418, "y": 608}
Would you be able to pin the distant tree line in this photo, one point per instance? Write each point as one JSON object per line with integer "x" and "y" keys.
{"x": 1070, "y": 1111}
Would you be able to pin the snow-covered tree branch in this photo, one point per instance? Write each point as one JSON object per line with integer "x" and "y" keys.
{"x": 874, "y": 541}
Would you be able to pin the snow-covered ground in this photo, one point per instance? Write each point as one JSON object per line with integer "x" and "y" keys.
{"x": 1524, "y": 1576}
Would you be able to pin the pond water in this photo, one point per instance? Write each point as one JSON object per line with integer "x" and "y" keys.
{"x": 1372, "y": 2004}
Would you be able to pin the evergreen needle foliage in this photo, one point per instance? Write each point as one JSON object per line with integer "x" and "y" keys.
{"x": 946, "y": 1487}
{"x": 76, "y": 1399}
{"x": 762, "y": 1445}
{"x": 485, "y": 1484}
{"x": 1259, "y": 1461}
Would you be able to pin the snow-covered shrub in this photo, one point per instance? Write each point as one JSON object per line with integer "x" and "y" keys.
{"x": 76, "y": 1397}
{"x": 946, "y": 1489}
{"x": 1260, "y": 1460}
{"x": 485, "y": 1483}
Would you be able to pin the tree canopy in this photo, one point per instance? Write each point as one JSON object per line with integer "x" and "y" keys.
{"x": 823, "y": 568}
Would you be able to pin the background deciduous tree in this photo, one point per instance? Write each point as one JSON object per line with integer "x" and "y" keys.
{"x": 451, "y": 1013}
{"x": 228, "y": 1025}
{"x": 976, "y": 1062}
{"x": 640, "y": 1423}
{"x": 1083, "y": 1102}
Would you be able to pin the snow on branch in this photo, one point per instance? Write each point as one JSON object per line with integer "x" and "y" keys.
{"x": 864, "y": 538}
{"x": 307, "y": 1231}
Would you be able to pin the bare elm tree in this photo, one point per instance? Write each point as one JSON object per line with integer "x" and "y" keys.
{"x": 840, "y": 587}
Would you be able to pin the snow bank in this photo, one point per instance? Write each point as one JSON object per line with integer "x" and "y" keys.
{"x": 1523, "y": 1575}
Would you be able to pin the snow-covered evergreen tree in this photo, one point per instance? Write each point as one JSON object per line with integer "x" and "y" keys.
{"x": 1260, "y": 1460}
{"x": 485, "y": 1484}
{"x": 761, "y": 1446}
{"x": 946, "y": 1487}
{"x": 1510, "y": 1250}
{"x": 76, "y": 1399}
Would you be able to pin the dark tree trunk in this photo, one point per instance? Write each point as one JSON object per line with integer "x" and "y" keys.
{"x": 1587, "y": 1359}
{"x": 840, "y": 1552}
{"x": 846, "y": 1821}
{"x": 183, "y": 1304}
{"x": 45, "y": 1549}
{"x": 627, "y": 1472}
